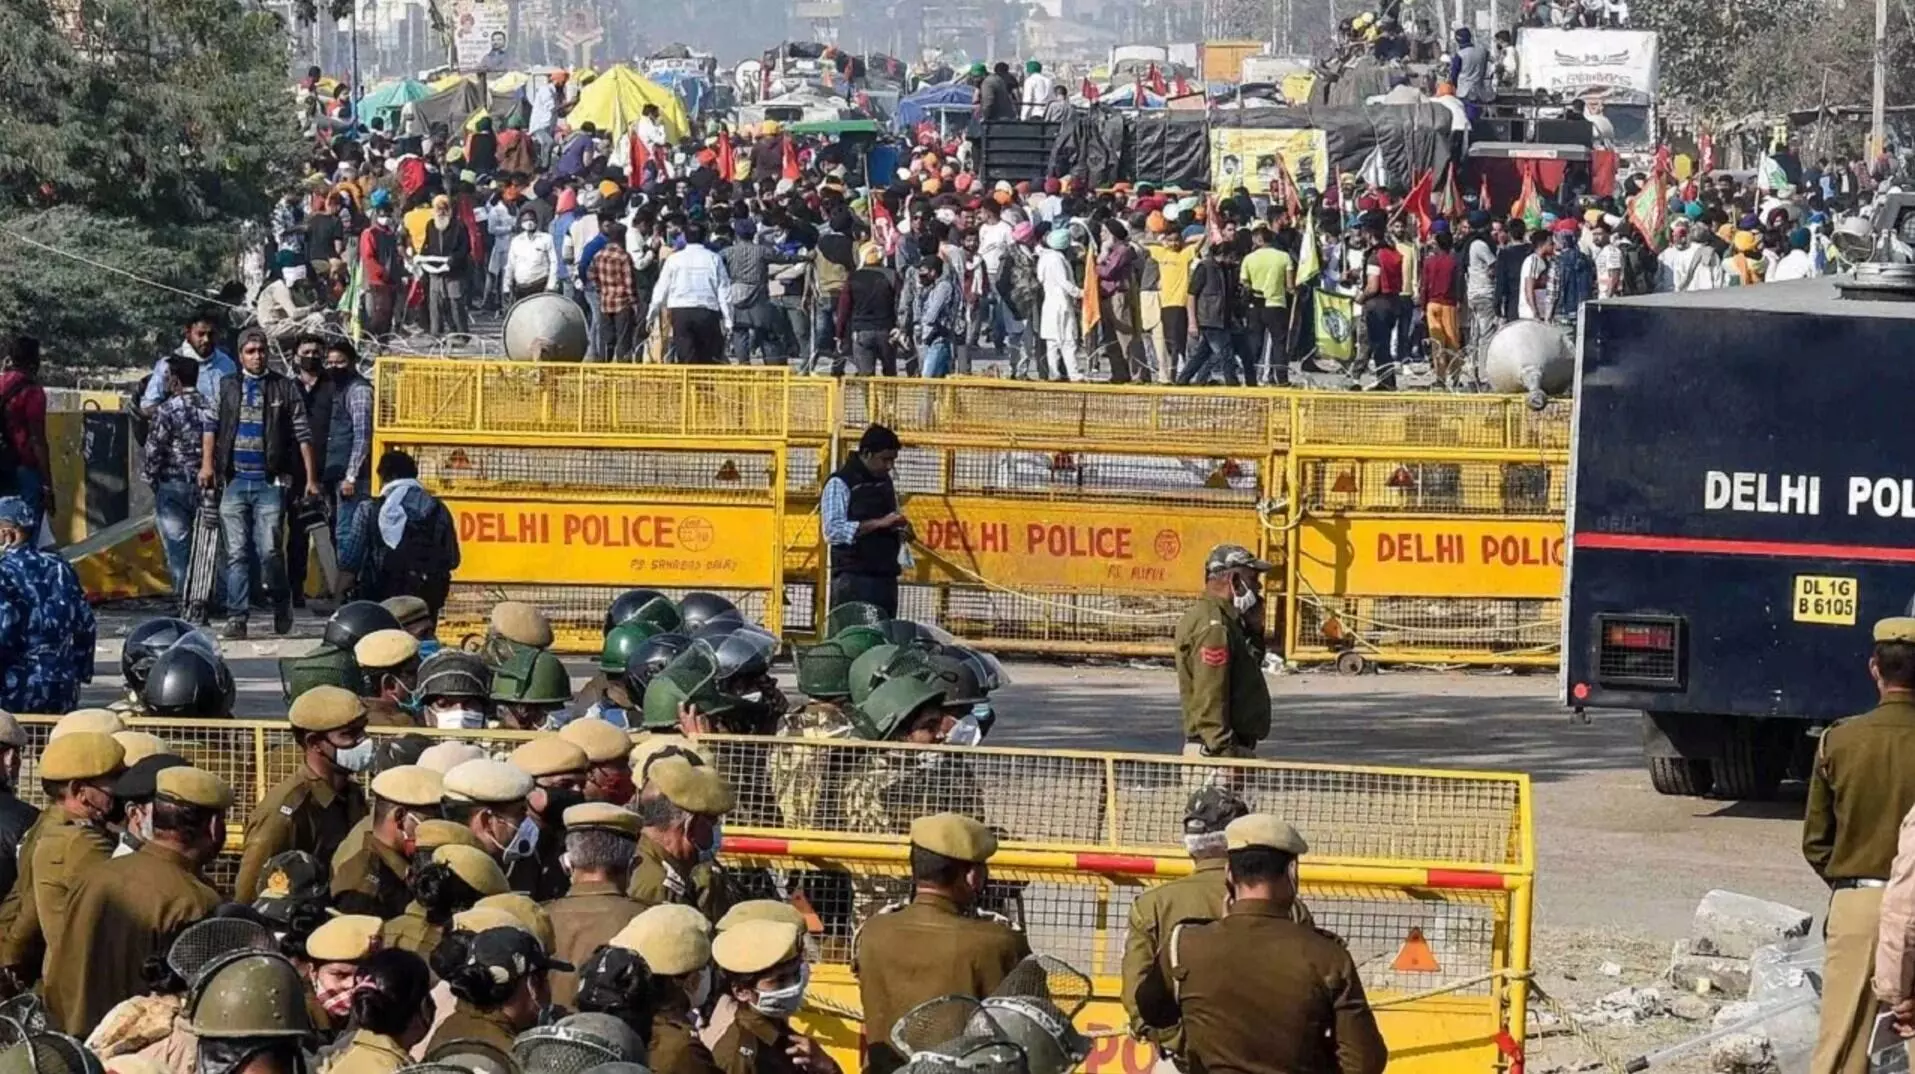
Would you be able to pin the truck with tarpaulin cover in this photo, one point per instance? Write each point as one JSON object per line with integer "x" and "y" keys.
{"x": 1741, "y": 512}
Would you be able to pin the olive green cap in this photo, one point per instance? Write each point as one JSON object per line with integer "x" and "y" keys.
{"x": 549, "y": 755}
{"x": 602, "y": 743}
{"x": 82, "y": 755}
{"x": 99, "y": 721}
{"x": 326, "y": 708}
{"x": 955, "y": 836}
{"x": 756, "y": 946}
{"x": 693, "y": 788}
{"x": 346, "y": 938}
{"x": 529, "y": 914}
{"x": 383, "y": 650}
{"x": 522, "y": 623}
{"x": 478, "y": 869}
{"x": 139, "y": 745}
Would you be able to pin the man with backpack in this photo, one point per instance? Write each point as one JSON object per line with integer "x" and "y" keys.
{"x": 404, "y": 544}
{"x": 26, "y": 468}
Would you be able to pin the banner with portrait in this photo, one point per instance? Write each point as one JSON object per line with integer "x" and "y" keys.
{"x": 1247, "y": 157}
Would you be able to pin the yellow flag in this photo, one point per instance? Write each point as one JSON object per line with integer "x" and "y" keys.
{"x": 1092, "y": 308}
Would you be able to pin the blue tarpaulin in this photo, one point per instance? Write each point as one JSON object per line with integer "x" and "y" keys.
{"x": 691, "y": 88}
{"x": 952, "y": 96}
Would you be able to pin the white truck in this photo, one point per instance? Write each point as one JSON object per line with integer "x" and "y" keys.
{"x": 1614, "y": 71}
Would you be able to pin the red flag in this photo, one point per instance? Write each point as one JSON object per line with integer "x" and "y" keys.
{"x": 727, "y": 163}
{"x": 1417, "y": 203}
{"x": 1451, "y": 203}
{"x": 791, "y": 159}
{"x": 1180, "y": 87}
{"x": 662, "y": 157}
{"x": 1156, "y": 79}
{"x": 1482, "y": 196}
{"x": 1089, "y": 91}
{"x": 884, "y": 230}
{"x": 1213, "y": 230}
{"x": 1706, "y": 146}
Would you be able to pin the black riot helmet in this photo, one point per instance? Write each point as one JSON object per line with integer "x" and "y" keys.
{"x": 144, "y": 644}
{"x": 699, "y": 608}
{"x": 649, "y": 658}
{"x": 356, "y": 620}
{"x": 186, "y": 680}
{"x": 720, "y": 627}
{"x": 626, "y": 605}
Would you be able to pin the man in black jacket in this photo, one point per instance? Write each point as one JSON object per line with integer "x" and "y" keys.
{"x": 16, "y": 817}
{"x": 260, "y": 441}
{"x": 447, "y": 240}
{"x": 862, "y": 524}
{"x": 868, "y": 315}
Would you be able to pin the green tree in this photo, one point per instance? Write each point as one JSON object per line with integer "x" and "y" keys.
{"x": 136, "y": 134}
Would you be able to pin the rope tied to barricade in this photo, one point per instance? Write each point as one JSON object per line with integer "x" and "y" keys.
{"x": 1107, "y": 613}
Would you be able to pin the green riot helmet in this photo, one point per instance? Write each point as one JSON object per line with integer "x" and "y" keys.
{"x": 867, "y": 671}
{"x": 852, "y": 614}
{"x": 891, "y": 706}
{"x": 956, "y": 679}
{"x": 824, "y": 671}
{"x": 921, "y": 635}
{"x": 858, "y": 640}
{"x": 532, "y": 677}
{"x": 692, "y": 679}
{"x": 46, "y": 1052}
{"x": 619, "y": 644}
{"x": 250, "y": 995}
{"x": 324, "y": 666}
{"x": 658, "y": 612}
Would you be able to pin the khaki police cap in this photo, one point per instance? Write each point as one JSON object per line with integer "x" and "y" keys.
{"x": 194, "y": 786}
{"x": 601, "y": 742}
{"x": 82, "y": 755}
{"x": 346, "y": 938}
{"x": 409, "y": 785}
{"x": 529, "y": 914}
{"x": 955, "y": 836}
{"x": 11, "y": 733}
{"x": 694, "y": 789}
{"x": 474, "y": 866}
{"x": 326, "y": 708}
{"x": 99, "y": 721}
{"x": 385, "y": 649}
{"x": 1263, "y": 830}
{"x": 139, "y": 745}
{"x": 481, "y": 918}
{"x": 487, "y": 781}
{"x": 407, "y": 609}
{"x": 443, "y": 757}
{"x": 760, "y": 910}
{"x": 756, "y": 946}
{"x": 602, "y": 816}
{"x": 517, "y": 621}
{"x": 549, "y": 755}
{"x": 435, "y": 833}
{"x": 669, "y": 942}
{"x": 649, "y": 748}
{"x": 1896, "y": 628}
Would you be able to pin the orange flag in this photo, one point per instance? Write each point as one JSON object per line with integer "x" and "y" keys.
{"x": 791, "y": 160}
{"x": 727, "y": 162}
{"x": 1092, "y": 309}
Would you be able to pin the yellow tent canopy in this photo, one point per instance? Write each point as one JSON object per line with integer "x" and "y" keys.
{"x": 613, "y": 101}
{"x": 507, "y": 82}
{"x": 446, "y": 82}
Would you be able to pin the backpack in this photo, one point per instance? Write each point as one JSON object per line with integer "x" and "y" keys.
{"x": 420, "y": 557}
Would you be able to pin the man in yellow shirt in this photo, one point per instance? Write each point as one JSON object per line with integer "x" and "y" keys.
{"x": 1269, "y": 276}
{"x": 1173, "y": 257}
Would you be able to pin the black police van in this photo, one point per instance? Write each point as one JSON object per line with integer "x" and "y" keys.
{"x": 1741, "y": 512}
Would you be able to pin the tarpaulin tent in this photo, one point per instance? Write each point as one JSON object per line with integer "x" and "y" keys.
{"x": 692, "y": 88}
{"x": 950, "y": 97}
{"x": 453, "y": 106}
{"x": 615, "y": 98}
{"x": 389, "y": 100}
{"x": 1120, "y": 97}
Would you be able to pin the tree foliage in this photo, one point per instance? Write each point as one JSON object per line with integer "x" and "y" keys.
{"x": 135, "y": 134}
{"x": 1731, "y": 58}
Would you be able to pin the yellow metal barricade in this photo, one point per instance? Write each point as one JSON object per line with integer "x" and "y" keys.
{"x": 1427, "y": 876}
{"x": 569, "y": 483}
{"x": 1050, "y": 517}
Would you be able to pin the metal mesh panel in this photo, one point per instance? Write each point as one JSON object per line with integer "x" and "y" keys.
{"x": 1128, "y": 801}
{"x": 1048, "y": 978}
{"x": 932, "y": 1023}
{"x": 1451, "y": 488}
{"x": 1434, "y": 421}
{"x": 1157, "y": 480}
{"x": 814, "y": 407}
{"x": 556, "y": 1050}
{"x": 804, "y": 473}
{"x": 571, "y": 473}
{"x": 201, "y": 943}
{"x": 1449, "y": 625}
{"x": 593, "y": 400}
{"x": 1076, "y": 416}
{"x": 1047, "y": 619}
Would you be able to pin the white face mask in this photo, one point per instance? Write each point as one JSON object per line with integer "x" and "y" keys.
{"x": 458, "y": 719}
{"x": 528, "y": 226}
{"x": 1243, "y": 596}
{"x": 383, "y": 220}
{"x": 784, "y": 1002}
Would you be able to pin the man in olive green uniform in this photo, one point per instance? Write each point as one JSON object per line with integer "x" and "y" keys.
{"x": 22, "y": 942}
{"x": 557, "y": 768}
{"x": 1219, "y": 643}
{"x": 1862, "y": 785}
{"x": 488, "y": 797}
{"x": 373, "y": 879}
{"x": 314, "y": 808}
{"x": 1256, "y": 991}
{"x": 119, "y": 910}
{"x": 678, "y": 952}
{"x": 682, "y": 822}
{"x": 79, "y": 772}
{"x": 601, "y": 841}
{"x": 608, "y": 750}
{"x": 936, "y": 945}
{"x": 763, "y": 964}
{"x": 389, "y": 662}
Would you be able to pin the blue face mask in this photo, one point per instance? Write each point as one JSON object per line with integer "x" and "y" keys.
{"x": 709, "y": 853}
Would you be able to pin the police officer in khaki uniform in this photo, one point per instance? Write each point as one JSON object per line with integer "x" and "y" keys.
{"x": 392, "y": 1013}
{"x": 608, "y": 750}
{"x": 936, "y": 945}
{"x": 1219, "y": 643}
{"x": 601, "y": 842}
{"x": 1256, "y": 991}
{"x": 334, "y": 951}
{"x": 314, "y": 808}
{"x": 488, "y": 797}
{"x": 762, "y": 970}
{"x": 557, "y": 768}
{"x": 79, "y": 772}
{"x": 373, "y": 880}
{"x": 676, "y": 947}
{"x": 118, "y": 910}
{"x": 683, "y": 823}
{"x": 1862, "y": 786}
{"x": 452, "y": 880}
{"x": 389, "y": 664}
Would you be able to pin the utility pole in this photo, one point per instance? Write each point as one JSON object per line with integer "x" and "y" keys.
{"x": 1878, "y": 104}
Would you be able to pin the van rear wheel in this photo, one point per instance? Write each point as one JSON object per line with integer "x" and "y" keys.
{"x": 1680, "y": 776}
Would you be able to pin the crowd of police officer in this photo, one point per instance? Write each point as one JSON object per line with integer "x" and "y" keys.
{"x": 438, "y": 897}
